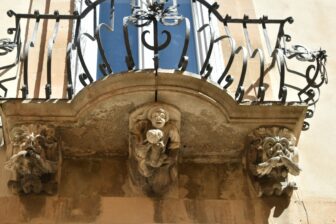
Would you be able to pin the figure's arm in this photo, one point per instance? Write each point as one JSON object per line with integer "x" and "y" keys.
{"x": 267, "y": 166}
{"x": 292, "y": 167}
{"x": 137, "y": 132}
{"x": 174, "y": 136}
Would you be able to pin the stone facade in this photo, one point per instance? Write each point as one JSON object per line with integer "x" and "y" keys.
{"x": 108, "y": 162}
{"x": 73, "y": 161}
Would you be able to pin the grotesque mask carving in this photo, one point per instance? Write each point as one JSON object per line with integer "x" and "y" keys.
{"x": 34, "y": 159}
{"x": 154, "y": 144}
{"x": 271, "y": 158}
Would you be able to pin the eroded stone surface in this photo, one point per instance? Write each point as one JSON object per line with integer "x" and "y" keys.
{"x": 207, "y": 139}
{"x": 96, "y": 179}
{"x": 154, "y": 147}
{"x": 87, "y": 177}
{"x": 271, "y": 157}
{"x": 100, "y": 132}
{"x": 34, "y": 159}
{"x": 213, "y": 181}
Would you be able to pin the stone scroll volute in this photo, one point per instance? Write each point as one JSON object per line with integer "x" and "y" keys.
{"x": 272, "y": 161}
{"x": 154, "y": 145}
{"x": 33, "y": 159}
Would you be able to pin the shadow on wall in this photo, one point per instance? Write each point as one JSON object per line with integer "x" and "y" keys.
{"x": 93, "y": 192}
{"x": 222, "y": 193}
{"x": 34, "y": 206}
{"x": 279, "y": 204}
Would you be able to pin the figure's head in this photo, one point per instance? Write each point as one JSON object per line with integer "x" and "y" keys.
{"x": 276, "y": 146}
{"x": 33, "y": 143}
{"x": 158, "y": 116}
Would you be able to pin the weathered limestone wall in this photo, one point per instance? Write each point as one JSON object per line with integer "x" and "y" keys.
{"x": 94, "y": 190}
{"x": 212, "y": 183}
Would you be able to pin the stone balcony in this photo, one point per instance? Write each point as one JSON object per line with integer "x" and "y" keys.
{"x": 234, "y": 133}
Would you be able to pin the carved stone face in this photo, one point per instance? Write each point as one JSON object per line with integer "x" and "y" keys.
{"x": 32, "y": 142}
{"x": 276, "y": 146}
{"x": 158, "y": 118}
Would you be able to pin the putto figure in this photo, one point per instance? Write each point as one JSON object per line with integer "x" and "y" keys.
{"x": 272, "y": 156}
{"x": 154, "y": 145}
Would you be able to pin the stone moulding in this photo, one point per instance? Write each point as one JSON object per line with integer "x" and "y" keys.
{"x": 272, "y": 155}
{"x": 34, "y": 159}
{"x": 138, "y": 88}
{"x": 154, "y": 144}
{"x": 145, "y": 81}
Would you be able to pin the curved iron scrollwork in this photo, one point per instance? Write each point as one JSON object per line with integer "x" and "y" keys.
{"x": 70, "y": 89}
{"x": 50, "y": 49}
{"x": 156, "y": 12}
{"x": 249, "y": 52}
{"x": 206, "y": 65}
{"x": 315, "y": 76}
{"x": 86, "y": 75}
{"x": 6, "y": 46}
{"x": 105, "y": 67}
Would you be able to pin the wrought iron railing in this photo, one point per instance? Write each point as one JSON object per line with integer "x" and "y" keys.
{"x": 156, "y": 12}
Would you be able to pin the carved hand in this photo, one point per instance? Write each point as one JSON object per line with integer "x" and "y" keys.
{"x": 292, "y": 167}
{"x": 266, "y": 167}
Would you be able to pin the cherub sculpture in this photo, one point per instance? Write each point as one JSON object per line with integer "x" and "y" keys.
{"x": 154, "y": 145}
{"x": 272, "y": 157}
{"x": 31, "y": 163}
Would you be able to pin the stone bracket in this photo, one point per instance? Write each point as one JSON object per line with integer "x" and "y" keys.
{"x": 271, "y": 159}
{"x": 153, "y": 147}
{"x": 33, "y": 159}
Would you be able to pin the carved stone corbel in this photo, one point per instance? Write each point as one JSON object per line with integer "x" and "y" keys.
{"x": 272, "y": 155}
{"x": 34, "y": 159}
{"x": 153, "y": 147}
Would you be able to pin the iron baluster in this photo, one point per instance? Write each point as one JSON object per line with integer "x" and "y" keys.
{"x": 266, "y": 36}
{"x": 30, "y": 43}
{"x": 183, "y": 63}
{"x": 239, "y": 95}
{"x": 206, "y": 65}
{"x": 129, "y": 57}
{"x": 86, "y": 75}
{"x": 49, "y": 60}
{"x": 70, "y": 90}
{"x": 105, "y": 67}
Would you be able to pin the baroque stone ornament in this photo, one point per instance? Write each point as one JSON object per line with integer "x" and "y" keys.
{"x": 34, "y": 159}
{"x": 272, "y": 156}
{"x": 153, "y": 147}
